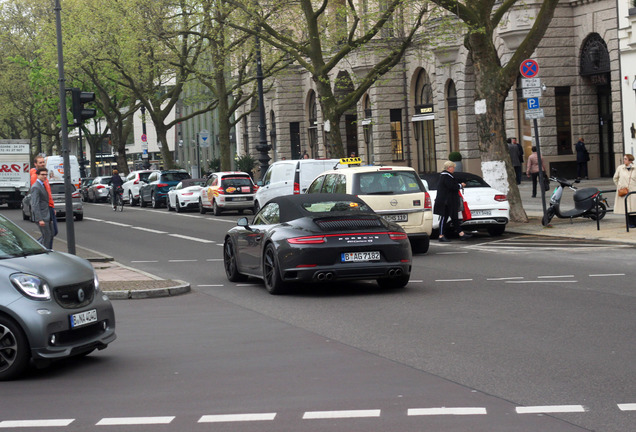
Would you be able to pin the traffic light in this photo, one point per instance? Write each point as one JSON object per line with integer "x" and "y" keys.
{"x": 79, "y": 112}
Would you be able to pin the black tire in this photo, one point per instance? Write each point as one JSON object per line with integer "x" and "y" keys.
{"x": 602, "y": 211}
{"x": 168, "y": 206}
{"x": 178, "y": 207}
{"x": 131, "y": 201}
{"x": 549, "y": 214}
{"x": 14, "y": 349}
{"x": 420, "y": 245}
{"x": 202, "y": 209}
{"x": 271, "y": 275}
{"x": 79, "y": 217}
{"x": 120, "y": 203}
{"x": 240, "y": 211}
{"x": 154, "y": 201}
{"x": 257, "y": 207}
{"x": 496, "y": 230}
{"x": 216, "y": 209}
{"x": 142, "y": 203}
{"x": 92, "y": 199}
{"x": 394, "y": 283}
{"x": 229, "y": 262}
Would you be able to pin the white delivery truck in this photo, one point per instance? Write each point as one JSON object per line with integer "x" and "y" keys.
{"x": 15, "y": 179}
{"x": 55, "y": 165}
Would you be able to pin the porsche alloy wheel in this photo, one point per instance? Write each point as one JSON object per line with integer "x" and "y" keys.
{"x": 229, "y": 262}
{"x": 271, "y": 275}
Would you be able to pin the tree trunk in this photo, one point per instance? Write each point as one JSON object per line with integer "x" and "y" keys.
{"x": 166, "y": 154}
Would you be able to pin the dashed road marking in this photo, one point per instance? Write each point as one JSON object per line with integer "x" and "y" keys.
{"x": 550, "y": 409}
{"x": 627, "y": 407}
{"x": 312, "y": 415}
{"x": 220, "y": 418}
{"x": 196, "y": 239}
{"x": 607, "y": 275}
{"x": 447, "y": 411}
{"x": 453, "y": 280}
{"x": 150, "y": 230}
{"x": 35, "y": 423}
{"x": 128, "y": 421}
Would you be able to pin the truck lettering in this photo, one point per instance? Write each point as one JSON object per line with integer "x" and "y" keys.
{"x": 5, "y": 168}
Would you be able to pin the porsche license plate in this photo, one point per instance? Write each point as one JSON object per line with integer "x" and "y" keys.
{"x": 403, "y": 217}
{"x": 83, "y": 318}
{"x": 360, "y": 256}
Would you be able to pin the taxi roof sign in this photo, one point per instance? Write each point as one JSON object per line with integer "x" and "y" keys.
{"x": 350, "y": 161}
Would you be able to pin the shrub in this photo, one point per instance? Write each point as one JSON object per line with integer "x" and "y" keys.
{"x": 455, "y": 156}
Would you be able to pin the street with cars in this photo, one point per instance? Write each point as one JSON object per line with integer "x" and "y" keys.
{"x": 488, "y": 334}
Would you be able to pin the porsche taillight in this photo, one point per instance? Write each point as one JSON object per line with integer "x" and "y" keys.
{"x": 397, "y": 236}
{"x": 306, "y": 240}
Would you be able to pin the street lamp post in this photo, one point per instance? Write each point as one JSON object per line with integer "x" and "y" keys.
{"x": 144, "y": 145}
{"x": 262, "y": 147}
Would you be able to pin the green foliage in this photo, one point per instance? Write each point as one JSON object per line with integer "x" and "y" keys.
{"x": 455, "y": 156}
{"x": 245, "y": 163}
{"x": 214, "y": 165}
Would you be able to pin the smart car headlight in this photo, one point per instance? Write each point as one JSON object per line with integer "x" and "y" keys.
{"x": 31, "y": 286}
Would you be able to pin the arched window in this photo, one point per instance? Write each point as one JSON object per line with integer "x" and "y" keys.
{"x": 424, "y": 123}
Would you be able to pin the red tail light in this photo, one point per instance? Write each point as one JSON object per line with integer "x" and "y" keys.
{"x": 296, "y": 189}
{"x": 427, "y": 201}
{"x": 136, "y": 182}
{"x": 307, "y": 240}
{"x": 100, "y": 187}
{"x": 221, "y": 191}
{"x": 162, "y": 184}
{"x": 501, "y": 198}
{"x": 76, "y": 194}
{"x": 397, "y": 236}
{"x": 187, "y": 193}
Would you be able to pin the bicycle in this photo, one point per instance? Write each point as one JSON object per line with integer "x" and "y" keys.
{"x": 119, "y": 200}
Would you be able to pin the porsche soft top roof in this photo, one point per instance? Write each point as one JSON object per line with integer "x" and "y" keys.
{"x": 291, "y": 206}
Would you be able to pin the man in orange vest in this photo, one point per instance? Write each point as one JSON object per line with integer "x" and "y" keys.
{"x": 40, "y": 162}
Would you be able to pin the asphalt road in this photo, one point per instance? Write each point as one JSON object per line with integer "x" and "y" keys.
{"x": 508, "y": 334}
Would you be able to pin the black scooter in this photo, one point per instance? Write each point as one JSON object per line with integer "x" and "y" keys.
{"x": 588, "y": 202}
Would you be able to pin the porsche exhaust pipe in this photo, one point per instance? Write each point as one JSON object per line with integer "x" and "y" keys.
{"x": 392, "y": 273}
{"x": 329, "y": 276}
{"x": 320, "y": 276}
{"x": 398, "y": 272}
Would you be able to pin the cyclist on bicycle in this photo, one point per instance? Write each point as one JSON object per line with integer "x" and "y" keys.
{"x": 116, "y": 188}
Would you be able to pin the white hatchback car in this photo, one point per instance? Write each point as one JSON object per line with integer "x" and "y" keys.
{"x": 489, "y": 208}
{"x": 394, "y": 192}
{"x": 185, "y": 195}
{"x": 132, "y": 184}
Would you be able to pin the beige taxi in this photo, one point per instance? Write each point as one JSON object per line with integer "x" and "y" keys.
{"x": 394, "y": 192}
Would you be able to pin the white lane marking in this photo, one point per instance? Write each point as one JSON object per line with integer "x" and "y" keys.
{"x": 627, "y": 407}
{"x": 556, "y": 276}
{"x": 447, "y": 411}
{"x": 415, "y": 281}
{"x": 200, "y": 240}
{"x": 148, "y": 230}
{"x": 182, "y": 260}
{"x": 450, "y": 253}
{"x": 247, "y": 284}
{"x": 312, "y": 415}
{"x": 215, "y": 259}
{"x": 546, "y": 409}
{"x": 122, "y": 421}
{"x": 217, "y": 285}
{"x": 117, "y": 223}
{"x": 453, "y": 280}
{"x": 149, "y": 261}
{"x": 236, "y": 417}
{"x": 505, "y": 278}
{"x": 542, "y": 281}
{"x": 607, "y": 274}
{"x": 35, "y": 423}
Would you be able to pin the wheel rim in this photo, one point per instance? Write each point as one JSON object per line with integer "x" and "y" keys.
{"x": 269, "y": 267}
{"x": 152, "y": 200}
{"x": 229, "y": 259}
{"x": 8, "y": 348}
{"x": 130, "y": 198}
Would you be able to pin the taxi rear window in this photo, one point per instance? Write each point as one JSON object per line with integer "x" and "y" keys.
{"x": 387, "y": 183}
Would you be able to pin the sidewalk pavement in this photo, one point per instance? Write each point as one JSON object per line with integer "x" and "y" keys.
{"x": 123, "y": 282}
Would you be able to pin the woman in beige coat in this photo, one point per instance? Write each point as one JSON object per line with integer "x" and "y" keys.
{"x": 625, "y": 176}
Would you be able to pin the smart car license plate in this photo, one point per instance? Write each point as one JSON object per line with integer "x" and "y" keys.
{"x": 83, "y": 318}
{"x": 481, "y": 212}
{"x": 360, "y": 256}
{"x": 396, "y": 217}
{"x": 239, "y": 198}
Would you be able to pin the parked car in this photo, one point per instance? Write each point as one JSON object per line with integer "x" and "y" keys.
{"x": 185, "y": 195}
{"x": 155, "y": 190}
{"x": 317, "y": 238}
{"x": 59, "y": 199}
{"x": 289, "y": 177}
{"x": 132, "y": 184}
{"x": 394, "y": 192}
{"x": 51, "y": 306}
{"x": 489, "y": 208}
{"x": 229, "y": 190}
{"x": 99, "y": 190}
{"x": 84, "y": 184}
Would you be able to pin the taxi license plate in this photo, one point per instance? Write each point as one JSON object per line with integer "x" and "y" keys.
{"x": 83, "y": 318}
{"x": 360, "y": 256}
{"x": 481, "y": 212}
{"x": 396, "y": 217}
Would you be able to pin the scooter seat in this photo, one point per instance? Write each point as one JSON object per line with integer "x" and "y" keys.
{"x": 585, "y": 193}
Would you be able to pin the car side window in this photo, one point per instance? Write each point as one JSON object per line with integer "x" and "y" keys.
{"x": 340, "y": 185}
{"x": 330, "y": 183}
{"x": 315, "y": 186}
{"x": 270, "y": 214}
{"x": 268, "y": 176}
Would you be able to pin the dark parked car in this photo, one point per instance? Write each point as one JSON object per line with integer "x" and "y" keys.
{"x": 59, "y": 199}
{"x": 155, "y": 190}
{"x": 317, "y": 238}
{"x": 85, "y": 183}
{"x": 51, "y": 306}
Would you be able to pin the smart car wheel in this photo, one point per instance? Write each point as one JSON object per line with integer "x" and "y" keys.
{"x": 216, "y": 209}
{"x": 202, "y": 209}
{"x": 229, "y": 262}
{"x": 271, "y": 275}
{"x": 14, "y": 349}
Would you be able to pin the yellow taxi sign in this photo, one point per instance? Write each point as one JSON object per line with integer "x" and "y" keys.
{"x": 350, "y": 161}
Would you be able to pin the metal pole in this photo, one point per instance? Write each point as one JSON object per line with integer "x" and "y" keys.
{"x": 262, "y": 146}
{"x": 68, "y": 194}
{"x": 198, "y": 157}
{"x": 146, "y": 160}
{"x": 541, "y": 176}
{"x": 81, "y": 155}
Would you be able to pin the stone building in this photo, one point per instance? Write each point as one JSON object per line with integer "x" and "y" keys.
{"x": 424, "y": 108}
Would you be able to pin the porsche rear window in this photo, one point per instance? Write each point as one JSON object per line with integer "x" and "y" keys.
{"x": 336, "y": 206}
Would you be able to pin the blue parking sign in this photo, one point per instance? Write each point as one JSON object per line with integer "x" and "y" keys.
{"x": 533, "y": 103}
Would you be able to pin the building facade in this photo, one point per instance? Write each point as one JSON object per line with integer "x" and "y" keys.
{"x": 425, "y": 107}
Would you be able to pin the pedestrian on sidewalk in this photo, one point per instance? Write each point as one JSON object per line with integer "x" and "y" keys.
{"x": 40, "y": 162}
{"x": 532, "y": 170}
{"x": 516, "y": 157}
{"x": 447, "y": 202}
{"x": 40, "y": 213}
{"x": 625, "y": 177}
{"x": 582, "y": 158}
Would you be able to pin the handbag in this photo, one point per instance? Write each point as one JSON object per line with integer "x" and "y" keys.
{"x": 623, "y": 191}
{"x": 466, "y": 215}
{"x": 546, "y": 182}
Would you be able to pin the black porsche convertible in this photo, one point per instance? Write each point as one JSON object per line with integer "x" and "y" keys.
{"x": 317, "y": 238}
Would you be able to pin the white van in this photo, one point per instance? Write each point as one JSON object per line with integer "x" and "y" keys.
{"x": 289, "y": 177}
{"x": 55, "y": 165}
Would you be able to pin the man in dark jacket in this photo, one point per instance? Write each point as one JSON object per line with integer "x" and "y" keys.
{"x": 40, "y": 208}
{"x": 582, "y": 157}
{"x": 447, "y": 202}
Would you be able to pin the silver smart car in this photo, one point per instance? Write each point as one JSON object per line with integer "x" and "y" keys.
{"x": 51, "y": 306}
